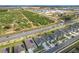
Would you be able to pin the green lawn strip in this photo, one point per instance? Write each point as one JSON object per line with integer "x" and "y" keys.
{"x": 62, "y": 38}
{"x": 9, "y": 44}
{"x": 39, "y": 48}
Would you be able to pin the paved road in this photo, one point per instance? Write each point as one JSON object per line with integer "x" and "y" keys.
{"x": 18, "y": 35}
{"x": 62, "y": 45}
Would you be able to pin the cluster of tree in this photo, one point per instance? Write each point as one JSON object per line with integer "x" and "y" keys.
{"x": 67, "y": 17}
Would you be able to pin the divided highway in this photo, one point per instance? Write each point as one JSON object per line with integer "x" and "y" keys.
{"x": 34, "y": 31}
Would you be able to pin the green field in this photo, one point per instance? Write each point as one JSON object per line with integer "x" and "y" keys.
{"x": 36, "y": 18}
{"x": 13, "y": 20}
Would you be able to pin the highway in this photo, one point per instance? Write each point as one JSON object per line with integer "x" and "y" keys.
{"x": 34, "y": 31}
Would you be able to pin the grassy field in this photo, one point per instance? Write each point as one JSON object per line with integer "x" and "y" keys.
{"x": 13, "y": 20}
{"x": 36, "y": 18}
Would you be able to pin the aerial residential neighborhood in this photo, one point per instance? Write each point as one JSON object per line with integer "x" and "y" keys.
{"x": 39, "y": 29}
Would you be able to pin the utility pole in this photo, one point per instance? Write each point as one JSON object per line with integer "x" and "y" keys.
{"x": 25, "y": 45}
{"x": 35, "y": 43}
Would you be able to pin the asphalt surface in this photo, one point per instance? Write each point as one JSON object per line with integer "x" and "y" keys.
{"x": 34, "y": 31}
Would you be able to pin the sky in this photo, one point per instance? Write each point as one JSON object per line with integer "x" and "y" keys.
{"x": 39, "y": 2}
